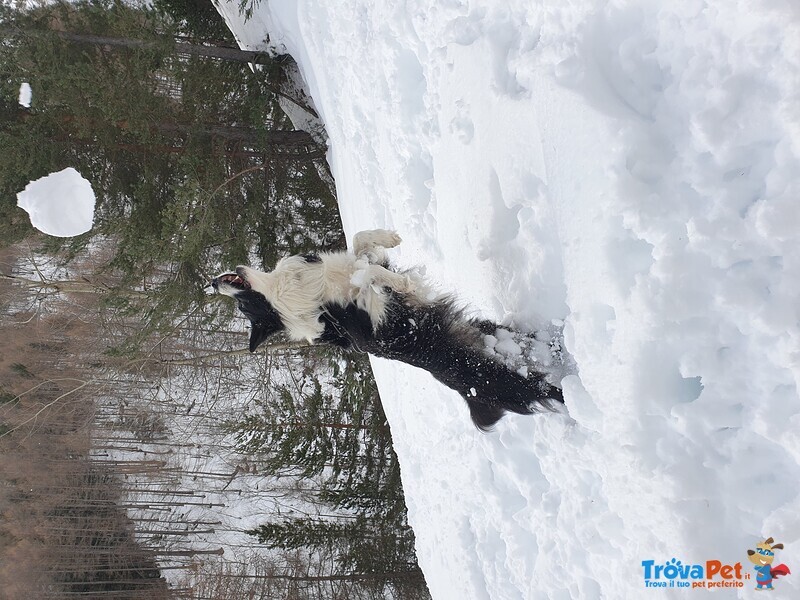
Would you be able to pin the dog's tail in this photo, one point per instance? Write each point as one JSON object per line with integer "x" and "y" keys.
{"x": 489, "y": 387}
{"x": 437, "y": 338}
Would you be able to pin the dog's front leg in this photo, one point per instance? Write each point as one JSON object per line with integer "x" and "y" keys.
{"x": 379, "y": 276}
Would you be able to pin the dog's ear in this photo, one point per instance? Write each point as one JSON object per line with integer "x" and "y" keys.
{"x": 258, "y": 334}
{"x": 264, "y": 319}
{"x": 778, "y": 546}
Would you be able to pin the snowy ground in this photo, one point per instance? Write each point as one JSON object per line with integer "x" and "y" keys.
{"x": 632, "y": 169}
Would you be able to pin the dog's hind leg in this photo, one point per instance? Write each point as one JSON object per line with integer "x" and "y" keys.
{"x": 372, "y": 244}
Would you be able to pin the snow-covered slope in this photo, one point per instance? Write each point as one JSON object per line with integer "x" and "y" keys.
{"x": 630, "y": 168}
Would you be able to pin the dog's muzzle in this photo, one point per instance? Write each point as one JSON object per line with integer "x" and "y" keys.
{"x": 235, "y": 280}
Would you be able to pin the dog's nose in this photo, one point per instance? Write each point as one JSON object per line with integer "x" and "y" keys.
{"x": 214, "y": 283}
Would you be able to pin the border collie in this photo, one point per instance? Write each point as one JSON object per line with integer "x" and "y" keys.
{"x": 357, "y": 301}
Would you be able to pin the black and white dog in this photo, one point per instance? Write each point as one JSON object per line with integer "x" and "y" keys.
{"x": 356, "y": 301}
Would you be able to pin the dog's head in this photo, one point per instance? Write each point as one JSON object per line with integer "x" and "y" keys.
{"x": 231, "y": 283}
{"x": 264, "y": 319}
{"x": 764, "y": 553}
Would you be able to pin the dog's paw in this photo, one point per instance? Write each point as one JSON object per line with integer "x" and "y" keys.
{"x": 392, "y": 239}
{"x": 364, "y": 241}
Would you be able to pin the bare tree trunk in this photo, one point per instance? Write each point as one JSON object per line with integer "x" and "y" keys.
{"x": 219, "y": 52}
{"x": 255, "y": 57}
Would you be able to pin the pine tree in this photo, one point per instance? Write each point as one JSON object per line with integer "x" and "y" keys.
{"x": 368, "y": 551}
{"x": 192, "y": 161}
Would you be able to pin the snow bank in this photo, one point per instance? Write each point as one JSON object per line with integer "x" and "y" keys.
{"x": 630, "y": 169}
{"x": 60, "y": 204}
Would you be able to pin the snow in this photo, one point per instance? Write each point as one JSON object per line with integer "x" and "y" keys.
{"x": 631, "y": 170}
{"x": 25, "y": 94}
{"x": 60, "y": 204}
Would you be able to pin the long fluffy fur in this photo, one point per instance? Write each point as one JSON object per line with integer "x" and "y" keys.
{"x": 354, "y": 300}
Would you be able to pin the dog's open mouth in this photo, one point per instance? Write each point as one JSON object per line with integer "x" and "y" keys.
{"x": 232, "y": 279}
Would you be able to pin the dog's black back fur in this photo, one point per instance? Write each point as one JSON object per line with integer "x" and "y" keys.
{"x": 437, "y": 338}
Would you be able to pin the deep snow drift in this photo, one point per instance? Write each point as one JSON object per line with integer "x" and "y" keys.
{"x": 60, "y": 204}
{"x": 630, "y": 169}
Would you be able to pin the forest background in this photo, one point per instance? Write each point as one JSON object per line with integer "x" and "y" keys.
{"x": 130, "y": 416}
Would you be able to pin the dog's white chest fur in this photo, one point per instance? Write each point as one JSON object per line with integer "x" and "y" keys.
{"x": 298, "y": 289}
